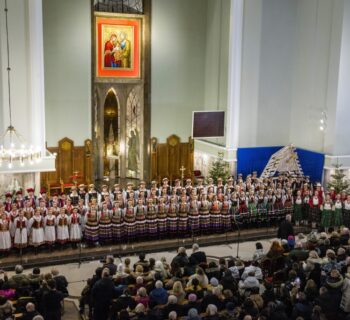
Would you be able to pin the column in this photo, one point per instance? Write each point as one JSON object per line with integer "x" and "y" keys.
{"x": 36, "y": 72}
{"x": 234, "y": 76}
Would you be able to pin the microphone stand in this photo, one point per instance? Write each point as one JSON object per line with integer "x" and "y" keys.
{"x": 239, "y": 236}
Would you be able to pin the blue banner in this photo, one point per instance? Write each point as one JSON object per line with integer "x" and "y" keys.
{"x": 255, "y": 159}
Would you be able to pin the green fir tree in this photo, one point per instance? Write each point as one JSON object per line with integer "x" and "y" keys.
{"x": 219, "y": 169}
{"x": 338, "y": 180}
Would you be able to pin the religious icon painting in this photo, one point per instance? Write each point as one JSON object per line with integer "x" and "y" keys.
{"x": 118, "y": 46}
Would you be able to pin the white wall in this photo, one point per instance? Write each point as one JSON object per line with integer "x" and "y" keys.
{"x": 276, "y": 56}
{"x": 342, "y": 130}
{"x": 20, "y": 70}
{"x": 316, "y": 65}
{"x": 67, "y": 49}
{"x": 216, "y": 58}
{"x": 251, "y": 42}
{"x": 267, "y": 62}
{"x": 178, "y": 44}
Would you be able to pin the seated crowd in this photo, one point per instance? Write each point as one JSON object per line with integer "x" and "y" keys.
{"x": 33, "y": 296}
{"x": 303, "y": 278}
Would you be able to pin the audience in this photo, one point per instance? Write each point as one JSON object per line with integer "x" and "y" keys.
{"x": 308, "y": 280}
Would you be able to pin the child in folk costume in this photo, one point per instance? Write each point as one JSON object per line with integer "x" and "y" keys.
{"x": 225, "y": 215}
{"x": 105, "y": 225}
{"x": 68, "y": 206}
{"x": 327, "y": 209}
{"x": 62, "y": 201}
{"x": 91, "y": 233}
{"x": 130, "y": 220}
{"x": 92, "y": 194}
{"x": 42, "y": 207}
{"x": 30, "y": 197}
{"x": 62, "y": 227}
{"x": 21, "y": 231}
{"x": 252, "y": 207}
{"x": 242, "y": 203}
{"x": 104, "y": 192}
{"x": 8, "y": 202}
{"x": 117, "y": 223}
{"x": 82, "y": 210}
{"x": 204, "y": 215}
{"x": 338, "y": 211}
{"x": 55, "y": 208}
{"x": 140, "y": 218}
{"x": 28, "y": 210}
{"x": 172, "y": 219}
{"x": 298, "y": 208}
{"x": 108, "y": 201}
{"x": 82, "y": 192}
{"x": 234, "y": 203}
{"x": 315, "y": 205}
{"x": 215, "y": 216}
{"x": 183, "y": 216}
{"x": 74, "y": 221}
{"x": 306, "y": 206}
{"x": 346, "y": 211}
{"x": 13, "y": 214}
{"x": 50, "y": 228}
{"x": 151, "y": 219}
{"x": 36, "y": 229}
{"x": 288, "y": 202}
{"x": 74, "y": 196}
{"x": 162, "y": 217}
{"x": 5, "y": 238}
{"x": 278, "y": 205}
{"x": 193, "y": 216}
{"x": 19, "y": 200}
{"x": 261, "y": 206}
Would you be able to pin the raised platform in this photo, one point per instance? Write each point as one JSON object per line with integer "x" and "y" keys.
{"x": 83, "y": 253}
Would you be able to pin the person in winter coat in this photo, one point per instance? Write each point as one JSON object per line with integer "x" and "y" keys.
{"x": 345, "y": 300}
{"x": 158, "y": 295}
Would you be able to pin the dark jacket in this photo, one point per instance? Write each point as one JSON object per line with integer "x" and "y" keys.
{"x": 52, "y": 305}
{"x": 285, "y": 229}
{"x": 181, "y": 260}
{"x": 158, "y": 296}
{"x": 61, "y": 284}
{"x": 30, "y": 315}
{"x": 199, "y": 257}
{"x": 103, "y": 292}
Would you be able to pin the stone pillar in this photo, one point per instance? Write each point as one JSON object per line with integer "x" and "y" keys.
{"x": 234, "y": 75}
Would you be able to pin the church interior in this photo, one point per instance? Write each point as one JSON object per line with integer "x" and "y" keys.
{"x": 174, "y": 159}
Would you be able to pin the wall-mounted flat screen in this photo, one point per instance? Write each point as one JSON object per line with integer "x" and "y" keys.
{"x": 208, "y": 124}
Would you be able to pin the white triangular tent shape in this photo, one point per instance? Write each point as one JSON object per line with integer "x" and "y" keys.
{"x": 284, "y": 160}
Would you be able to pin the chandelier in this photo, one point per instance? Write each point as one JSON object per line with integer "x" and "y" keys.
{"x": 14, "y": 150}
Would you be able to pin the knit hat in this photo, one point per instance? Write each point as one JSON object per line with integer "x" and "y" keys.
{"x": 335, "y": 279}
{"x": 192, "y": 297}
{"x": 323, "y": 235}
{"x": 330, "y": 253}
{"x": 214, "y": 282}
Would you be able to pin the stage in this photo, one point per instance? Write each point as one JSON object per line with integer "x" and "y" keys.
{"x": 84, "y": 253}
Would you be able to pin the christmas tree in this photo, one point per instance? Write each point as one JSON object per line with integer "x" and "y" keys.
{"x": 219, "y": 169}
{"x": 338, "y": 181}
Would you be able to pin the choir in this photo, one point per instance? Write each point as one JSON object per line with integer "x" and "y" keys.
{"x": 126, "y": 215}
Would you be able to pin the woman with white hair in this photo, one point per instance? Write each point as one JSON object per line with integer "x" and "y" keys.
{"x": 211, "y": 312}
{"x": 159, "y": 268}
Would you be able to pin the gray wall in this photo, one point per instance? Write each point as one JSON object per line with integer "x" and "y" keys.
{"x": 178, "y": 44}
{"x": 67, "y": 58}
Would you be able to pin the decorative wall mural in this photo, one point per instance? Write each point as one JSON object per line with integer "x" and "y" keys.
{"x": 118, "y": 46}
{"x": 111, "y": 134}
{"x": 133, "y": 126}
